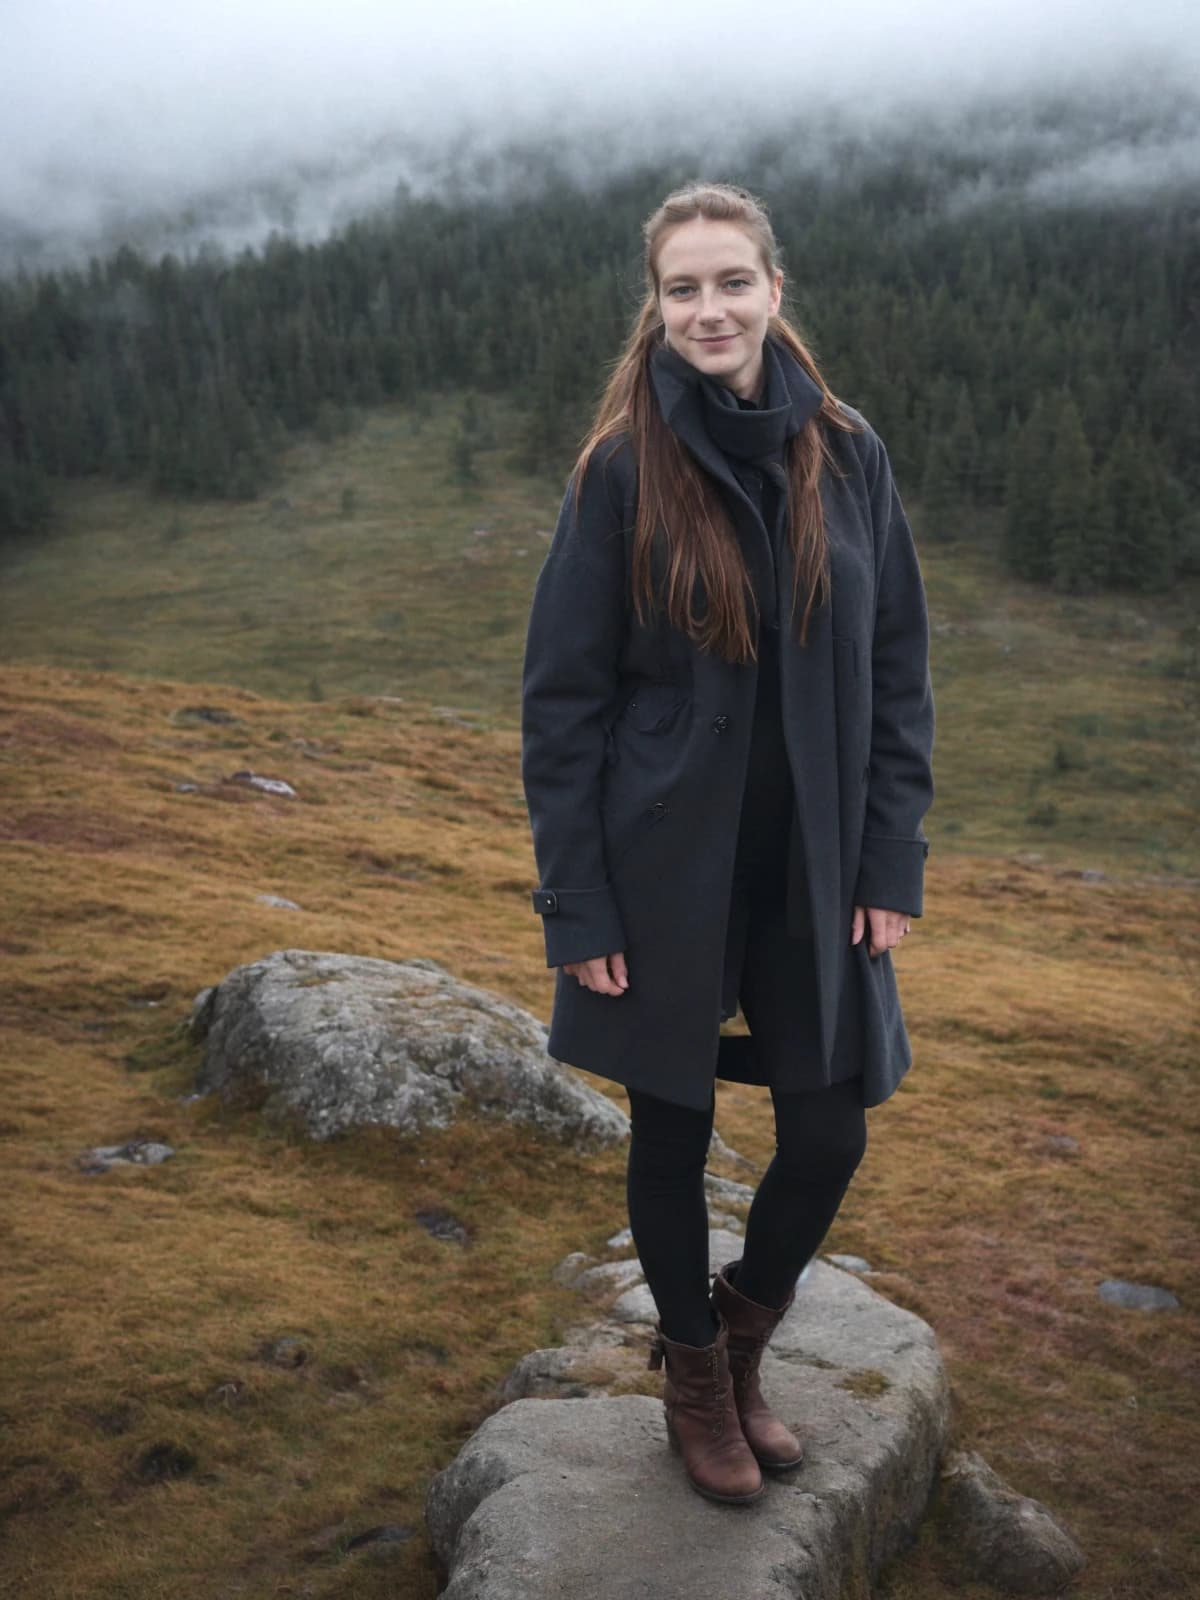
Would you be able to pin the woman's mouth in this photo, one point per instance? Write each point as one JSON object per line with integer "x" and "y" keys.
{"x": 719, "y": 339}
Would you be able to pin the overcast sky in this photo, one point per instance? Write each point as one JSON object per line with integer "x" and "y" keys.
{"x": 111, "y": 107}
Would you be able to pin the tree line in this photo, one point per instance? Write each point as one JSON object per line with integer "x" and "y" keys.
{"x": 1036, "y": 360}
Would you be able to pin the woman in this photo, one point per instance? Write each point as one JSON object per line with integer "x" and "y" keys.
{"x": 727, "y": 729}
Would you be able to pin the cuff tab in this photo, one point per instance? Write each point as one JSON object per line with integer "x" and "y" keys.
{"x": 544, "y": 901}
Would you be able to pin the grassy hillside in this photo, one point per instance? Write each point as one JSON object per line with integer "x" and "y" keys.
{"x": 1066, "y": 727}
{"x": 151, "y": 1443}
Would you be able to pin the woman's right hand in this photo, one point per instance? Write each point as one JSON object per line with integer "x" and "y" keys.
{"x": 602, "y": 974}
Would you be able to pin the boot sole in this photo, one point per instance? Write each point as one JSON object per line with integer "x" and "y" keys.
{"x": 711, "y": 1494}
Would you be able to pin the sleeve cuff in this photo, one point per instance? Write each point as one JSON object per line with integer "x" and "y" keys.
{"x": 891, "y": 874}
{"x": 579, "y": 924}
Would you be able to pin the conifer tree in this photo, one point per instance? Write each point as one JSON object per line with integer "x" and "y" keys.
{"x": 1070, "y": 502}
{"x": 1026, "y": 533}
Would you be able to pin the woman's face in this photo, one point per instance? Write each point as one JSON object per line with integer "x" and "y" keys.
{"x": 716, "y": 296}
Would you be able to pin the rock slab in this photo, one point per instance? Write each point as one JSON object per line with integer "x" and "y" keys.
{"x": 341, "y": 1041}
{"x": 554, "y": 1497}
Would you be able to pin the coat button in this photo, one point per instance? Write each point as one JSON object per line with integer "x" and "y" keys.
{"x": 719, "y": 724}
{"x": 658, "y": 809}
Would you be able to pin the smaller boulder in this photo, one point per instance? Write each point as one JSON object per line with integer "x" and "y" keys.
{"x": 341, "y": 1041}
{"x": 1003, "y": 1538}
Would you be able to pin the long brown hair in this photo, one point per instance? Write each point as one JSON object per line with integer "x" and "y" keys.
{"x": 677, "y": 499}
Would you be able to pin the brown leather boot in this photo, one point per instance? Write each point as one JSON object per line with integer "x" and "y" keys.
{"x": 750, "y": 1327}
{"x": 702, "y": 1420}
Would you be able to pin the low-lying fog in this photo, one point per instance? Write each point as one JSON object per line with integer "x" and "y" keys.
{"x": 168, "y": 125}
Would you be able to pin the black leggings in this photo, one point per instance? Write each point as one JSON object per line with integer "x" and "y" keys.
{"x": 820, "y": 1138}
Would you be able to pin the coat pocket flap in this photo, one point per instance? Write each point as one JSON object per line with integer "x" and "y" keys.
{"x": 654, "y": 707}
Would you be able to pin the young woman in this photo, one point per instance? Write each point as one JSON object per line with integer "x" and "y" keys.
{"x": 727, "y": 730}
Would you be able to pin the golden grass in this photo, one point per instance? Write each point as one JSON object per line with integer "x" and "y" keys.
{"x": 152, "y": 1444}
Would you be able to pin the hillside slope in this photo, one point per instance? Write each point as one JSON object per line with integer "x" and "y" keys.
{"x": 1045, "y": 1140}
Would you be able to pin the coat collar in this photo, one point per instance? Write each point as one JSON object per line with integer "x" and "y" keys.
{"x": 677, "y": 384}
{"x": 686, "y": 398}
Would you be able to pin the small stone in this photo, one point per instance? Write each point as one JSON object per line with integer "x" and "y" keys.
{"x": 267, "y": 785}
{"x": 609, "y": 1275}
{"x": 1137, "y": 1296}
{"x": 137, "y": 1152}
{"x": 1060, "y": 1144}
{"x": 850, "y": 1263}
{"x": 622, "y": 1240}
{"x": 718, "y": 1148}
{"x": 277, "y": 900}
{"x": 442, "y": 1225}
{"x": 569, "y": 1268}
{"x": 726, "y": 1192}
{"x": 1003, "y": 1537}
{"x": 635, "y": 1305}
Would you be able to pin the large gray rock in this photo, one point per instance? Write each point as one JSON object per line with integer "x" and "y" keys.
{"x": 341, "y": 1041}
{"x": 1001, "y": 1536}
{"x": 556, "y": 1498}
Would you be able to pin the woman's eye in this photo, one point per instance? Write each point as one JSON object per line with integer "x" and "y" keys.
{"x": 677, "y": 291}
{"x": 738, "y": 283}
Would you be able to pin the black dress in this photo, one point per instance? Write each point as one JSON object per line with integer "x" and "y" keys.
{"x": 768, "y": 970}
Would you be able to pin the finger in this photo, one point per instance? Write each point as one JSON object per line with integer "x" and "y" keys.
{"x": 599, "y": 980}
{"x": 618, "y": 969}
{"x": 856, "y": 925}
{"x": 878, "y": 920}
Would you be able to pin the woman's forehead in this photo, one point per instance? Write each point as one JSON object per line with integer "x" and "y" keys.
{"x": 702, "y": 246}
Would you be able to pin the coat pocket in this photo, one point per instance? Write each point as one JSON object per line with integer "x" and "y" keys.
{"x": 645, "y": 748}
{"x": 654, "y": 708}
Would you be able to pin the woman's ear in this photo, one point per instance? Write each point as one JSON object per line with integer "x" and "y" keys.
{"x": 776, "y": 290}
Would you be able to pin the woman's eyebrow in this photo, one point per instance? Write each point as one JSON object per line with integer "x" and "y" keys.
{"x": 723, "y": 272}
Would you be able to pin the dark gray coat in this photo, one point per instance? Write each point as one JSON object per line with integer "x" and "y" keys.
{"x": 634, "y": 759}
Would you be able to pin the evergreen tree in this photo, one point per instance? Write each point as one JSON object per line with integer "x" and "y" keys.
{"x": 1141, "y": 548}
{"x": 941, "y": 503}
{"x": 1072, "y": 555}
{"x": 1026, "y": 533}
{"x": 962, "y": 445}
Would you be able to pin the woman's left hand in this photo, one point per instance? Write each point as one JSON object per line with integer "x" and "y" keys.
{"x": 887, "y": 928}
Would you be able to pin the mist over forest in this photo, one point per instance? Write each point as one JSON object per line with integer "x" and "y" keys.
{"x": 990, "y": 233}
{"x": 1131, "y": 138}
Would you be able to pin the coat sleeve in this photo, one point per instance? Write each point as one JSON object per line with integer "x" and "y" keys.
{"x": 572, "y": 651}
{"x": 892, "y": 865}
